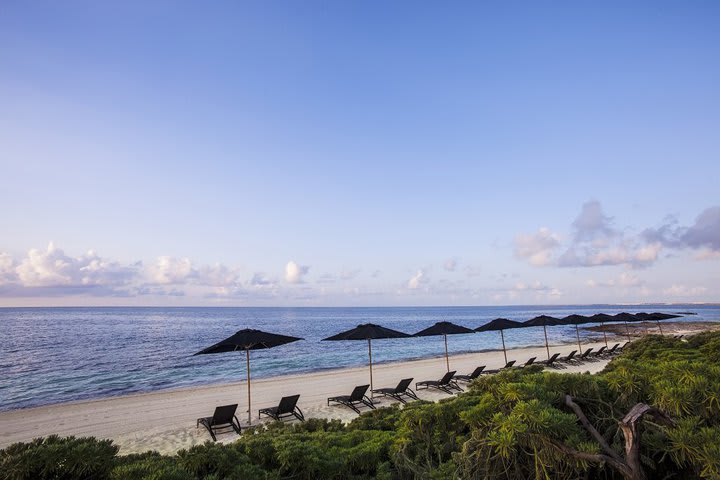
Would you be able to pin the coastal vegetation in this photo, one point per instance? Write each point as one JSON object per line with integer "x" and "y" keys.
{"x": 653, "y": 412}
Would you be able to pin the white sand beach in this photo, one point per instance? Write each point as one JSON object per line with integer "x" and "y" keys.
{"x": 165, "y": 421}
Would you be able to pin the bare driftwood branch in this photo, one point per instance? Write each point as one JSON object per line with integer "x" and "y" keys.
{"x": 591, "y": 429}
{"x": 629, "y": 467}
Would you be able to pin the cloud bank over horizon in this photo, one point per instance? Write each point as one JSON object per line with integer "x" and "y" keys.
{"x": 592, "y": 242}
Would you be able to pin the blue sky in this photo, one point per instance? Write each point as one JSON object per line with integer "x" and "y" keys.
{"x": 359, "y": 153}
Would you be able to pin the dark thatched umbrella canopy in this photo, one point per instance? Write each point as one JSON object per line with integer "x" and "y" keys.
{"x": 369, "y": 332}
{"x": 576, "y": 320}
{"x": 444, "y": 329}
{"x": 500, "y": 324}
{"x": 246, "y": 340}
{"x": 543, "y": 321}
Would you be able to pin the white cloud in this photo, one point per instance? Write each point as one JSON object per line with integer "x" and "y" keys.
{"x": 294, "y": 273}
{"x": 52, "y": 268}
{"x": 592, "y": 224}
{"x": 707, "y": 254}
{"x": 217, "y": 275}
{"x": 625, "y": 279}
{"x": 595, "y": 242}
{"x": 417, "y": 280}
{"x": 7, "y": 269}
{"x": 450, "y": 264}
{"x": 684, "y": 291}
{"x": 704, "y": 234}
{"x": 538, "y": 247}
{"x": 259, "y": 279}
{"x": 170, "y": 270}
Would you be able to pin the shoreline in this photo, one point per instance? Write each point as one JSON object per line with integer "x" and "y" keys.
{"x": 165, "y": 420}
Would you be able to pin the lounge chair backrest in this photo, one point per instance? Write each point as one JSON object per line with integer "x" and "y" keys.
{"x": 587, "y": 352}
{"x": 403, "y": 385}
{"x": 509, "y": 364}
{"x": 614, "y": 347}
{"x": 530, "y": 362}
{"x": 287, "y": 404}
{"x": 601, "y": 351}
{"x": 358, "y": 393}
{"x": 447, "y": 377}
{"x": 224, "y": 414}
{"x": 477, "y": 372}
{"x": 553, "y": 358}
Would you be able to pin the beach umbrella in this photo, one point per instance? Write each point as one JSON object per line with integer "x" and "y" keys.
{"x": 625, "y": 317}
{"x": 576, "y": 320}
{"x": 657, "y": 316}
{"x": 248, "y": 339}
{"x": 500, "y": 324}
{"x": 444, "y": 329}
{"x": 369, "y": 332}
{"x": 601, "y": 318}
{"x": 543, "y": 321}
{"x": 644, "y": 318}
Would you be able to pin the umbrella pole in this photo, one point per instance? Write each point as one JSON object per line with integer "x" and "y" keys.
{"x": 577, "y": 332}
{"x": 660, "y": 327}
{"x": 447, "y": 359}
{"x": 627, "y": 329}
{"x": 602, "y": 325}
{"x": 547, "y": 347}
{"x": 247, "y": 357}
{"x": 502, "y": 335}
{"x": 370, "y": 357}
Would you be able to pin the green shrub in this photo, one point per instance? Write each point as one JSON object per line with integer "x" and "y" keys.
{"x": 508, "y": 426}
{"x": 58, "y": 459}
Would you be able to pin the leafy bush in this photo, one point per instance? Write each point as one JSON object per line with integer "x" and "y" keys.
{"x": 517, "y": 424}
{"x": 58, "y": 458}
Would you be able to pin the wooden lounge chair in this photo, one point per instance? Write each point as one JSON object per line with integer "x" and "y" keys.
{"x": 528, "y": 363}
{"x": 550, "y": 361}
{"x": 356, "y": 398}
{"x": 621, "y": 348}
{"x": 585, "y": 354}
{"x": 600, "y": 352}
{"x": 469, "y": 378}
{"x": 507, "y": 366}
{"x": 224, "y": 417}
{"x": 569, "y": 358}
{"x": 445, "y": 384}
{"x": 612, "y": 350}
{"x": 287, "y": 408}
{"x": 402, "y": 390}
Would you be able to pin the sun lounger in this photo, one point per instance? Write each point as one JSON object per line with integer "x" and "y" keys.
{"x": 445, "y": 384}
{"x": 528, "y": 363}
{"x": 402, "y": 390}
{"x": 507, "y": 366}
{"x": 224, "y": 417}
{"x": 356, "y": 398}
{"x": 600, "y": 352}
{"x": 550, "y": 361}
{"x": 612, "y": 350}
{"x": 569, "y": 358}
{"x": 585, "y": 354}
{"x": 621, "y": 348}
{"x": 469, "y": 378}
{"x": 287, "y": 408}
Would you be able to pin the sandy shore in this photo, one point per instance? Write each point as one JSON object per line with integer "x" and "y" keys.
{"x": 165, "y": 421}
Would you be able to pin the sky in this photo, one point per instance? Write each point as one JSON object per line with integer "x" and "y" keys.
{"x": 359, "y": 153}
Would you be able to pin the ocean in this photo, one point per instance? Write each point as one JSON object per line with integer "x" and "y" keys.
{"x": 56, "y": 355}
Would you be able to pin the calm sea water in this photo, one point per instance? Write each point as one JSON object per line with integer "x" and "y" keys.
{"x": 53, "y": 355}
